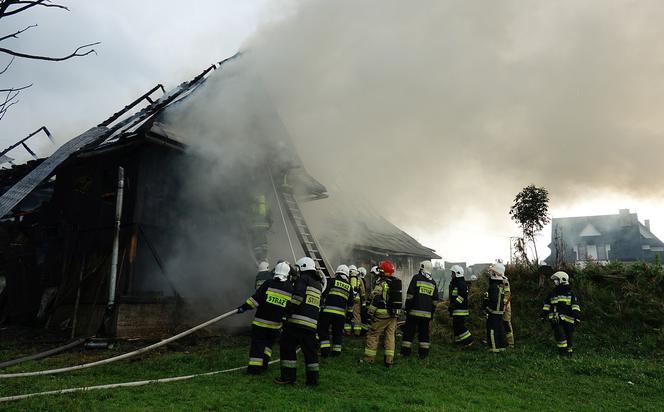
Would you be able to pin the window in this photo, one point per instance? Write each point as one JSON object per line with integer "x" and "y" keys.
{"x": 591, "y": 250}
{"x": 601, "y": 252}
{"x": 583, "y": 255}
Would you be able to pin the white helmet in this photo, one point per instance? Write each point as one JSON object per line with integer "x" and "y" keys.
{"x": 473, "y": 278}
{"x": 374, "y": 270}
{"x": 457, "y": 271}
{"x": 426, "y": 266}
{"x": 281, "y": 271}
{"x": 362, "y": 271}
{"x": 306, "y": 264}
{"x": 343, "y": 269}
{"x": 561, "y": 278}
{"x": 497, "y": 271}
{"x": 352, "y": 269}
{"x": 263, "y": 266}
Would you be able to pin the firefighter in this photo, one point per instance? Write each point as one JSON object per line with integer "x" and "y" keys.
{"x": 494, "y": 306}
{"x": 421, "y": 301}
{"x": 363, "y": 309}
{"x": 261, "y": 224}
{"x": 270, "y": 302}
{"x": 358, "y": 297}
{"x": 382, "y": 316}
{"x": 561, "y": 308}
{"x": 263, "y": 274}
{"x": 336, "y": 298}
{"x": 458, "y": 307}
{"x": 507, "y": 316}
{"x": 301, "y": 324}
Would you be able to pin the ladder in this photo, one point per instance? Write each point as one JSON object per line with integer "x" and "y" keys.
{"x": 307, "y": 241}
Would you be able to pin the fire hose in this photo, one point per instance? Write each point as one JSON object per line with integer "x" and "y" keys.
{"x": 121, "y": 385}
{"x": 123, "y": 356}
{"x": 44, "y": 354}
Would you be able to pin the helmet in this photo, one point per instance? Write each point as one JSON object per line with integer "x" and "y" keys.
{"x": 457, "y": 271}
{"x": 281, "y": 271}
{"x": 374, "y": 270}
{"x": 343, "y": 269}
{"x": 386, "y": 268}
{"x": 362, "y": 271}
{"x": 352, "y": 269}
{"x": 560, "y": 278}
{"x": 263, "y": 266}
{"x": 426, "y": 266}
{"x": 306, "y": 264}
{"x": 473, "y": 278}
{"x": 497, "y": 271}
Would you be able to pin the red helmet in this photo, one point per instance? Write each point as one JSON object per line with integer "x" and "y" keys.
{"x": 386, "y": 268}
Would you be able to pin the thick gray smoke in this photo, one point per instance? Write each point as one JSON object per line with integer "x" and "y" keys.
{"x": 435, "y": 113}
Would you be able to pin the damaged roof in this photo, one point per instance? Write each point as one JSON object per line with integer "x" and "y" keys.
{"x": 342, "y": 221}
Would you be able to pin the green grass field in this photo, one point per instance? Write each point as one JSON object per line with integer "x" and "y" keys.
{"x": 529, "y": 377}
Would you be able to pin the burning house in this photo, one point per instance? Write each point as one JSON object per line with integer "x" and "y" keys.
{"x": 187, "y": 243}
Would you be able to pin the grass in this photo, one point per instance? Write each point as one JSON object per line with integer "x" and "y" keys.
{"x": 530, "y": 377}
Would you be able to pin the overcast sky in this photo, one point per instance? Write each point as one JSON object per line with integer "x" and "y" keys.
{"x": 149, "y": 42}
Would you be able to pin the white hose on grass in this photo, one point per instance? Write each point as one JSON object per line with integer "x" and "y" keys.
{"x": 44, "y": 354}
{"x": 121, "y": 357}
{"x": 120, "y": 385}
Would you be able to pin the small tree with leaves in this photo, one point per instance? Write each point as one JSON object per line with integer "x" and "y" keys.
{"x": 531, "y": 212}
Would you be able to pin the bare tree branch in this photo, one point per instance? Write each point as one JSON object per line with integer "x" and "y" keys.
{"x": 26, "y": 5}
{"x": 15, "y": 35}
{"x": 7, "y": 66}
{"x": 12, "y": 7}
{"x": 52, "y": 59}
{"x": 13, "y": 89}
{"x": 10, "y": 99}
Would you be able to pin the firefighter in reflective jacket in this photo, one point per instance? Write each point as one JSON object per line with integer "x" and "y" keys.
{"x": 383, "y": 317}
{"x": 562, "y": 309}
{"x": 337, "y": 300}
{"x": 421, "y": 301}
{"x": 458, "y": 307}
{"x": 270, "y": 301}
{"x": 264, "y": 273}
{"x": 261, "y": 224}
{"x": 301, "y": 325}
{"x": 507, "y": 316}
{"x": 494, "y": 306}
{"x": 358, "y": 296}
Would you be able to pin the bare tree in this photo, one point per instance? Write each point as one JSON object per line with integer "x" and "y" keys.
{"x": 8, "y": 8}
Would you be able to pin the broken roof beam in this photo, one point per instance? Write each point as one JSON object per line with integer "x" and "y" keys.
{"x": 25, "y": 139}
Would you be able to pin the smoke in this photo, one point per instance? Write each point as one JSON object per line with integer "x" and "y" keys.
{"x": 433, "y": 114}
{"x": 437, "y": 113}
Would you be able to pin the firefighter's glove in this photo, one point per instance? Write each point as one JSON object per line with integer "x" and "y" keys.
{"x": 241, "y": 309}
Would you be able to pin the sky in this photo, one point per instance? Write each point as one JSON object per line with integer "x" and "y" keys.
{"x": 434, "y": 114}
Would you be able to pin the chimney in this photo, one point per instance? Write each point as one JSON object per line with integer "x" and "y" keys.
{"x": 646, "y": 223}
{"x": 624, "y": 217}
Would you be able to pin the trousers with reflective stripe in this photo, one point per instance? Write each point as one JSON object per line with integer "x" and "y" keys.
{"x": 563, "y": 333}
{"x": 326, "y": 322}
{"x": 420, "y": 325}
{"x": 378, "y": 328}
{"x": 260, "y": 350}
{"x": 291, "y": 338}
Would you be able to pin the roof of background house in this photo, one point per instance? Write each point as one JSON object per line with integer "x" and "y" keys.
{"x": 607, "y": 226}
{"x": 613, "y": 229}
